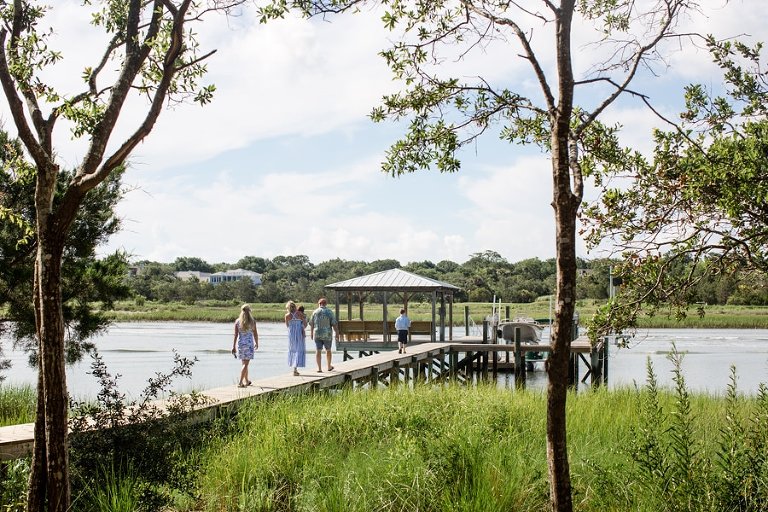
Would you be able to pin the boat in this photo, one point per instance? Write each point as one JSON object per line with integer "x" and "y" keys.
{"x": 530, "y": 332}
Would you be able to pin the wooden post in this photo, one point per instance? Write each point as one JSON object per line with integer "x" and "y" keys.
{"x": 385, "y": 327}
{"x": 442, "y": 364}
{"x": 454, "y": 362}
{"x": 495, "y": 365}
{"x": 506, "y": 312}
{"x": 466, "y": 320}
{"x": 519, "y": 359}
{"x": 442, "y": 317}
{"x": 434, "y": 317}
{"x": 597, "y": 366}
{"x": 450, "y": 316}
{"x": 573, "y": 370}
{"x": 374, "y": 377}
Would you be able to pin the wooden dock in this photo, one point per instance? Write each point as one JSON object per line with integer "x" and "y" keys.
{"x": 464, "y": 361}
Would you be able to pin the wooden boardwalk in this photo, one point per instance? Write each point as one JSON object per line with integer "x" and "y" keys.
{"x": 425, "y": 361}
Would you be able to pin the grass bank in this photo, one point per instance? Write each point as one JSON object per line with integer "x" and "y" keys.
{"x": 435, "y": 448}
{"x": 478, "y": 449}
{"x": 17, "y": 404}
{"x": 740, "y": 317}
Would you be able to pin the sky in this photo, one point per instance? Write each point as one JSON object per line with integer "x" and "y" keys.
{"x": 286, "y": 161}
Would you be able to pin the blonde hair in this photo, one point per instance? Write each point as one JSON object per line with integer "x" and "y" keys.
{"x": 247, "y": 323}
{"x": 290, "y": 305}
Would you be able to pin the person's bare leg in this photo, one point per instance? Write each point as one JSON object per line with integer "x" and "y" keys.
{"x": 319, "y": 358}
{"x": 243, "y": 373}
{"x": 329, "y": 356}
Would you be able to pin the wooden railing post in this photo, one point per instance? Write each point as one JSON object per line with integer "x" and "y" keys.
{"x": 519, "y": 359}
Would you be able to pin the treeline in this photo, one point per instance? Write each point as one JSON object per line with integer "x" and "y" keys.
{"x": 483, "y": 276}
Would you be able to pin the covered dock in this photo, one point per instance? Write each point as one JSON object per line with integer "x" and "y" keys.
{"x": 395, "y": 288}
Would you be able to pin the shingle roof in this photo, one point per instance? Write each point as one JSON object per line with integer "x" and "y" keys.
{"x": 392, "y": 280}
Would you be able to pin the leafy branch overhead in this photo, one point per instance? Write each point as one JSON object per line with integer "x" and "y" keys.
{"x": 698, "y": 209}
{"x": 450, "y": 109}
{"x": 149, "y": 52}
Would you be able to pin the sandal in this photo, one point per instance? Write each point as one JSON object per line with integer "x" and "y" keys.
{"x": 330, "y": 368}
{"x": 295, "y": 373}
{"x": 249, "y": 383}
{"x": 241, "y": 385}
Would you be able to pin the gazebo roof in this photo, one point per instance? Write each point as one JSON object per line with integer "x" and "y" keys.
{"x": 395, "y": 280}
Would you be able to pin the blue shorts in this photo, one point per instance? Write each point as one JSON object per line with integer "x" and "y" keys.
{"x": 402, "y": 336}
{"x": 320, "y": 344}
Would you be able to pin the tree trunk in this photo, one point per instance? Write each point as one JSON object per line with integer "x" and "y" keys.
{"x": 50, "y": 474}
{"x": 557, "y": 388}
{"x": 566, "y": 204}
{"x": 36, "y": 490}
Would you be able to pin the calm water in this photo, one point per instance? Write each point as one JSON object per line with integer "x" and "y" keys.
{"x": 137, "y": 351}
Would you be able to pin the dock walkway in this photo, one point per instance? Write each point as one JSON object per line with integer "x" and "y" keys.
{"x": 425, "y": 361}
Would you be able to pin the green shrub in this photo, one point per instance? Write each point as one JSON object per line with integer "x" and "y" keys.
{"x": 14, "y": 475}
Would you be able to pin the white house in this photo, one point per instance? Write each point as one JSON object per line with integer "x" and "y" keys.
{"x": 234, "y": 275}
{"x": 187, "y": 275}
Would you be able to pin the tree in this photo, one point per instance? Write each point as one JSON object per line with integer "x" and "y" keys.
{"x": 86, "y": 279}
{"x": 254, "y": 264}
{"x": 696, "y": 213}
{"x": 192, "y": 263}
{"x": 155, "y": 56}
{"x": 446, "y": 113}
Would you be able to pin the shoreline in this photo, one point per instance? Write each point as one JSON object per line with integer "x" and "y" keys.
{"x": 716, "y": 317}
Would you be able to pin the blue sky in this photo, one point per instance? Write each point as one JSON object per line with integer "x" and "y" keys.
{"x": 285, "y": 160}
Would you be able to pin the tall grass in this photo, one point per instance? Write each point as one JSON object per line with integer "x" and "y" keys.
{"x": 17, "y": 404}
{"x": 390, "y": 450}
{"x": 118, "y": 490}
{"x": 449, "y": 448}
{"x": 483, "y": 449}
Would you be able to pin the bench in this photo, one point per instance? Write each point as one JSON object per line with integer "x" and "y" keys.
{"x": 361, "y": 330}
{"x": 353, "y": 330}
{"x": 420, "y": 327}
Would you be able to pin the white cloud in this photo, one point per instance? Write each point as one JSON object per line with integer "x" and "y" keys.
{"x": 293, "y": 80}
{"x": 510, "y": 209}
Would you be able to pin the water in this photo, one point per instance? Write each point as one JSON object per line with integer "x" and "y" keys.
{"x": 137, "y": 351}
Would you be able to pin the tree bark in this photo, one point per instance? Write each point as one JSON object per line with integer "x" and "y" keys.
{"x": 565, "y": 204}
{"x": 49, "y": 486}
{"x": 37, "y": 482}
{"x": 55, "y": 395}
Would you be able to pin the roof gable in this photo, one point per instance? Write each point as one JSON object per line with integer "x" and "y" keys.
{"x": 393, "y": 280}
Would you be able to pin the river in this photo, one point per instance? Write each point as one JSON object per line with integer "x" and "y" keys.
{"x": 137, "y": 351}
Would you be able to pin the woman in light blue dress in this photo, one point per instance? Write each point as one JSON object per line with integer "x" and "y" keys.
{"x": 246, "y": 341}
{"x": 297, "y": 349}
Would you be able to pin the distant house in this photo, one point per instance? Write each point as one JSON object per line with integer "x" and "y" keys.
{"x": 234, "y": 275}
{"x": 187, "y": 275}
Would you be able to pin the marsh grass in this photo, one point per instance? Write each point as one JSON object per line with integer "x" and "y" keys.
{"x": 117, "y": 491}
{"x": 481, "y": 449}
{"x": 17, "y": 404}
{"x": 747, "y": 317}
{"x": 448, "y": 448}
